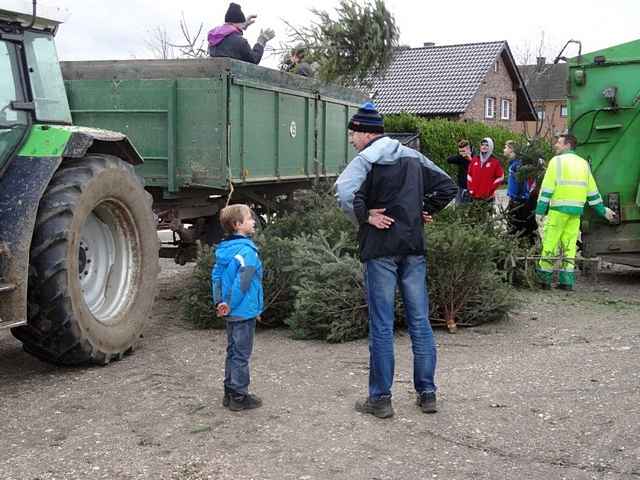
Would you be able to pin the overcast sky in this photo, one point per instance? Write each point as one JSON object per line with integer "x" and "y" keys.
{"x": 120, "y": 29}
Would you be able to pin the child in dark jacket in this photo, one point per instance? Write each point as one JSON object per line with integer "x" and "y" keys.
{"x": 236, "y": 281}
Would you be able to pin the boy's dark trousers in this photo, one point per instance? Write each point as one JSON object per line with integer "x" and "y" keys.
{"x": 522, "y": 219}
{"x": 239, "y": 347}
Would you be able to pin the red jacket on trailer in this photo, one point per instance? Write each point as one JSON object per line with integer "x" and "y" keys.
{"x": 483, "y": 180}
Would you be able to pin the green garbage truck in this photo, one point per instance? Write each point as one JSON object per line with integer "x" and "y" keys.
{"x": 604, "y": 114}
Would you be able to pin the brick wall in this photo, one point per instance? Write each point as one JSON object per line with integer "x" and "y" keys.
{"x": 497, "y": 85}
{"x": 553, "y": 123}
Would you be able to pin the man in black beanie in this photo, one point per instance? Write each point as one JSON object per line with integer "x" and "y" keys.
{"x": 389, "y": 190}
{"x": 227, "y": 40}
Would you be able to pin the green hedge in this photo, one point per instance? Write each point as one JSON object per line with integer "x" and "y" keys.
{"x": 439, "y": 137}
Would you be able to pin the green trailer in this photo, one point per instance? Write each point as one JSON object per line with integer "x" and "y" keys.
{"x": 214, "y": 128}
{"x": 604, "y": 114}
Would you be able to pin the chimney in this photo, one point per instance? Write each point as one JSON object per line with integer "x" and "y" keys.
{"x": 540, "y": 63}
{"x": 428, "y": 44}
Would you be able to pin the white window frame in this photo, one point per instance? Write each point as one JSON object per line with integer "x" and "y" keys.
{"x": 564, "y": 110}
{"x": 496, "y": 66}
{"x": 540, "y": 113}
{"x": 490, "y": 107}
{"x": 505, "y": 113}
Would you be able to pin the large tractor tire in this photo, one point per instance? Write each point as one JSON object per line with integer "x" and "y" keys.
{"x": 93, "y": 266}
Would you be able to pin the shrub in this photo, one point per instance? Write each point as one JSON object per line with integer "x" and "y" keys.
{"x": 532, "y": 153}
{"x": 197, "y": 304}
{"x": 313, "y": 279}
{"x": 439, "y": 137}
{"x": 467, "y": 284}
{"x": 354, "y": 43}
{"x": 330, "y": 302}
{"x": 311, "y": 212}
{"x": 277, "y": 278}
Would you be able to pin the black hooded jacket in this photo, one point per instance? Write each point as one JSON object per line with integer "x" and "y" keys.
{"x": 405, "y": 183}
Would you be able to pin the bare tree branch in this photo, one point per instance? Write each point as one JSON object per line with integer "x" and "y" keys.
{"x": 193, "y": 46}
{"x": 159, "y": 44}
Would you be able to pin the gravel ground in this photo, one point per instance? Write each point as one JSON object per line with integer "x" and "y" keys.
{"x": 551, "y": 393}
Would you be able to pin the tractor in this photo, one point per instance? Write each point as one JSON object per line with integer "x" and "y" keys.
{"x": 78, "y": 242}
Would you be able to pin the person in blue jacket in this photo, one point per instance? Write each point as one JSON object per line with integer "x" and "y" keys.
{"x": 520, "y": 211}
{"x": 236, "y": 281}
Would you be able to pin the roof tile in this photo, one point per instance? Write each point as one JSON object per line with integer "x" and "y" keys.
{"x": 546, "y": 83}
{"x": 434, "y": 80}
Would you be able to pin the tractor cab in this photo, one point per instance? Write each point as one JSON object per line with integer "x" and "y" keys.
{"x": 32, "y": 91}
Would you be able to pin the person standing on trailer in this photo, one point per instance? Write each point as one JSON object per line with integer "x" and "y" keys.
{"x": 227, "y": 40}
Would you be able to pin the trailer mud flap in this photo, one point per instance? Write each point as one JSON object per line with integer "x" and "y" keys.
{"x": 21, "y": 187}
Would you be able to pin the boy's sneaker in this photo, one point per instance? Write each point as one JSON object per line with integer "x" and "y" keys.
{"x": 427, "y": 402}
{"x": 380, "y": 408}
{"x": 226, "y": 399}
{"x": 244, "y": 402}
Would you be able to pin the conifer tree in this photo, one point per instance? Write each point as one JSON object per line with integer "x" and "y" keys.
{"x": 353, "y": 44}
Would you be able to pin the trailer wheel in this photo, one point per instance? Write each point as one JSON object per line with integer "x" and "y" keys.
{"x": 93, "y": 266}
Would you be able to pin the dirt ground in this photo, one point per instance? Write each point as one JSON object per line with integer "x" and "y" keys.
{"x": 551, "y": 393}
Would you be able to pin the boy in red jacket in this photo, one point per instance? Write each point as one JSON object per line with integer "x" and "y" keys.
{"x": 485, "y": 173}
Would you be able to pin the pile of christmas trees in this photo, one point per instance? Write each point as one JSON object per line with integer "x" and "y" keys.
{"x": 313, "y": 279}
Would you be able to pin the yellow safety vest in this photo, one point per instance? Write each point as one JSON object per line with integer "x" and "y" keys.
{"x": 568, "y": 184}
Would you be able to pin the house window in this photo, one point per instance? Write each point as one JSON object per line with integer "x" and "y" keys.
{"x": 496, "y": 66}
{"x": 563, "y": 110}
{"x": 540, "y": 112}
{"x": 490, "y": 107}
{"x": 506, "y": 109}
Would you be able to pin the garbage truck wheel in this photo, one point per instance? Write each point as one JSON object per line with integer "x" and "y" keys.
{"x": 93, "y": 265}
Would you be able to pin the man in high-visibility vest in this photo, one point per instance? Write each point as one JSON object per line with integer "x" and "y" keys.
{"x": 568, "y": 184}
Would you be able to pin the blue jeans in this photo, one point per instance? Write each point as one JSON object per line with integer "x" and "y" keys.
{"x": 382, "y": 275}
{"x": 239, "y": 346}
